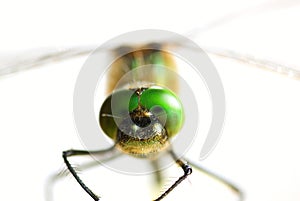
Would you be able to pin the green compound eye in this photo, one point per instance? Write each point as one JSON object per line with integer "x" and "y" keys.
{"x": 161, "y": 102}
{"x": 165, "y": 105}
{"x": 121, "y": 109}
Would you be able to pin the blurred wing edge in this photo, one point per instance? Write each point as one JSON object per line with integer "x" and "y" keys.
{"x": 39, "y": 57}
{"x": 283, "y": 69}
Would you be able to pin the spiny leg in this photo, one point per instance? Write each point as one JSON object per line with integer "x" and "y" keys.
{"x": 103, "y": 156}
{"x": 222, "y": 180}
{"x": 187, "y": 171}
{"x": 158, "y": 173}
{"x": 72, "y": 152}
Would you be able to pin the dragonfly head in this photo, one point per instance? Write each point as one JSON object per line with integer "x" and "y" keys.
{"x": 141, "y": 121}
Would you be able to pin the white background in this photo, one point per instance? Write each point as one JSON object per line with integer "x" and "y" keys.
{"x": 259, "y": 149}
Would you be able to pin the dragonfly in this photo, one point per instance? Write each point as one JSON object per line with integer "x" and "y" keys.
{"x": 38, "y": 60}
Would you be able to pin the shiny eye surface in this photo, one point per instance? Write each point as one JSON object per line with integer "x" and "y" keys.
{"x": 121, "y": 109}
{"x": 160, "y": 102}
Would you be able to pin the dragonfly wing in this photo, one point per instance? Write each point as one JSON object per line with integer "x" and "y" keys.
{"x": 38, "y": 57}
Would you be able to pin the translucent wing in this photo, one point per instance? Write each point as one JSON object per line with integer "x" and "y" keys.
{"x": 36, "y": 58}
{"x": 291, "y": 71}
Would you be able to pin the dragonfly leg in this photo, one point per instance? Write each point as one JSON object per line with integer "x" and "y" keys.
{"x": 219, "y": 178}
{"x": 72, "y": 152}
{"x": 158, "y": 173}
{"x": 187, "y": 170}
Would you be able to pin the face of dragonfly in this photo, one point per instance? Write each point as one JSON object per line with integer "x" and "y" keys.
{"x": 260, "y": 138}
{"x": 139, "y": 129}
